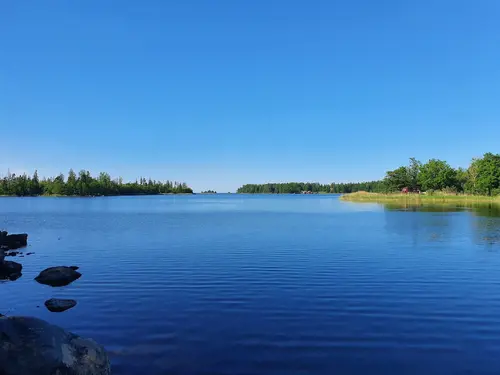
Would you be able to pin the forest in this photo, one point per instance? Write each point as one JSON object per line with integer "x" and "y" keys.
{"x": 313, "y": 187}
{"x": 481, "y": 177}
{"x": 84, "y": 185}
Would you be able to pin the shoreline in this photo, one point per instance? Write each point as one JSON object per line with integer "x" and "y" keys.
{"x": 365, "y": 197}
{"x": 90, "y": 196}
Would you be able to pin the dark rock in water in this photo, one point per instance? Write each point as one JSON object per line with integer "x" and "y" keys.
{"x": 10, "y": 270}
{"x": 30, "y": 253}
{"x": 13, "y": 241}
{"x": 59, "y": 305}
{"x": 11, "y": 253}
{"x": 32, "y": 346}
{"x": 58, "y": 276}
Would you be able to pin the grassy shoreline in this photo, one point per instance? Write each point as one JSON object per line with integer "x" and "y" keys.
{"x": 417, "y": 198}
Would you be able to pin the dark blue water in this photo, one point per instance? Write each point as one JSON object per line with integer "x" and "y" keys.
{"x": 232, "y": 284}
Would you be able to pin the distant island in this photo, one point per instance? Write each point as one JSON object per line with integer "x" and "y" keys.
{"x": 85, "y": 185}
{"x": 209, "y": 192}
{"x": 481, "y": 178}
{"x": 309, "y": 188}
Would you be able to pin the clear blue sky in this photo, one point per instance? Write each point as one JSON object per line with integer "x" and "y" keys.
{"x": 221, "y": 93}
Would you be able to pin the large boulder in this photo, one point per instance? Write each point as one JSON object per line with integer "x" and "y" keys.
{"x": 10, "y": 270}
{"x": 32, "y": 346}
{"x": 13, "y": 241}
{"x": 58, "y": 276}
{"x": 59, "y": 305}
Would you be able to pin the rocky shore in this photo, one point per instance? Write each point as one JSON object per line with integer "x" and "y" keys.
{"x": 33, "y": 346}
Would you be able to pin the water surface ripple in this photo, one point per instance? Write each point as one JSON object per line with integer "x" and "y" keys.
{"x": 238, "y": 284}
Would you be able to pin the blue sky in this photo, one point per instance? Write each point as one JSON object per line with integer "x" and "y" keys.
{"x": 221, "y": 93}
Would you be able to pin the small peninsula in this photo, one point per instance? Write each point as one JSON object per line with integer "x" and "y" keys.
{"x": 435, "y": 178}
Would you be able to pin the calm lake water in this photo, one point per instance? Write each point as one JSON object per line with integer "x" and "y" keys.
{"x": 239, "y": 284}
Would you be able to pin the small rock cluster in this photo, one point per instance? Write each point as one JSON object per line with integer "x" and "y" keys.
{"x": 56, "y": 277}
{"x": 11, "y": 270}
{"x": 33, "y": 346}
{"x": 53, "y": 276}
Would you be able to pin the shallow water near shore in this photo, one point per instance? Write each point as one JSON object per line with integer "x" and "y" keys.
{"x": 267, "y": 284}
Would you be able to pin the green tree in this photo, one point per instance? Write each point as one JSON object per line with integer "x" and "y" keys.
{"x": 35, "y": 188}
{"x": 58, "y": 186}
{"x": 461, "y": 180}
{"x": 84, "y": 183}
{"x": 437, "y": 175}
{"x": 71, "y": 183}
{"x": 488, "y": 174}
{"x": 397, "y": 179}
{"x": 413, "y": 171}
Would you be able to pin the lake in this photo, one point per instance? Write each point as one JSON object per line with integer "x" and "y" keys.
{"x": 241, "y": 284}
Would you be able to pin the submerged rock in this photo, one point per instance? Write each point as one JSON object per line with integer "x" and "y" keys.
{"x": 33, "y": 346}
{"x": 10, "y": 270}
{"x": 58, "y": 276}
{"x": 13, "y": 241}
{"x": 59, "y": 305}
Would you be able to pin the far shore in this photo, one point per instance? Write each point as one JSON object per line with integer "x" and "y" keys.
{"x": 90, "y": 196}
{"x": 417, "y": 198}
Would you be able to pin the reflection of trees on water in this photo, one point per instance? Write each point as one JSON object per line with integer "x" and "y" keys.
{"x": 427, "y": 225}
{"x": 487, "y": 224}
{"x": 414, "y": 222}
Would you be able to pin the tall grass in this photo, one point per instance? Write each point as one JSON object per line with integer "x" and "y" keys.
{"x": 418, "y": 198}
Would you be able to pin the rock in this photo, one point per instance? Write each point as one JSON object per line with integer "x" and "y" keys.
{"x": 30, "y": 253}
{"x": 32, "y": 346}
{"x": 10, "y": 270}
{"x": 11, "y": 253}
{"x": 13, "y": 241}
{"x": 58, "y": 276}
{"x": 59, "y": 305}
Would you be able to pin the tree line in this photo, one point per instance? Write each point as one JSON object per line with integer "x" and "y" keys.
{"x": 313, "y": 187}
{"x": 482, "y": 177}
{"x": 84, "y": 185}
